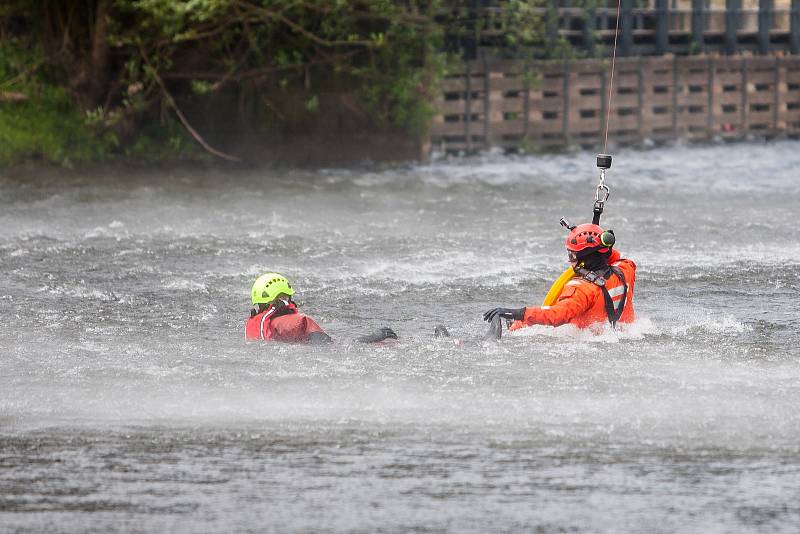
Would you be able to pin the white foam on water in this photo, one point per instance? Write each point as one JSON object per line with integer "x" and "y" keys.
{"x": 600, "y": 333}
{"x": 671, "y": 403}
{"x": 184, "y": 284}
{"x": 79, "y": 292}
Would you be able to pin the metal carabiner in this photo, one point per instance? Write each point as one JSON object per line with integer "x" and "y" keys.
{"x": 602, "y": 193}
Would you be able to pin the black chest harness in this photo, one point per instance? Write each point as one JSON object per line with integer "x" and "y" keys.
{"x": 599, "y": 278}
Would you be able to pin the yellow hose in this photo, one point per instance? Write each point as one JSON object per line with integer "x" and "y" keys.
{"x": 558, "y": 287}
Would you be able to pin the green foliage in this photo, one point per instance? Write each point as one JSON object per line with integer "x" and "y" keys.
{"x": 46, "y": 125}
{"x": 402, "y": 76}
{"x": 524, "y": 24}
{"x": 201, "y": 87}
{"x": 46, "y": 128}
{"x": 175, "y": 17}
{"x": 312, "y": 105}
{"x": 529, "y": 26}
{"x": 270, "y": 63}
{"x": 158, "y": 143}
{"x": 388, "y": 52}
{"x": 595, "y": 48}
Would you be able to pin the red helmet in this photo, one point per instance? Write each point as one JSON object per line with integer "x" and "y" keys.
{"x": 587, "y": 238}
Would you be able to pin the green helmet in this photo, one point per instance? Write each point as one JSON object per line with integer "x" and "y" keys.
{"x": 268, "y": 286}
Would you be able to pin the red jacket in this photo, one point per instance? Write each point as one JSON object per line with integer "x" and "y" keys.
{"x": 581, "y": 302}
{"x": 293, "y": 327}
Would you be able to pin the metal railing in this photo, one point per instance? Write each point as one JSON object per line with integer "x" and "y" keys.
{"x": 658, "y": 29}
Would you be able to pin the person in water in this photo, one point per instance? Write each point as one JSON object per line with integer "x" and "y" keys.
{"x": 275, "y": 316}
{"x": 602, "y": 289}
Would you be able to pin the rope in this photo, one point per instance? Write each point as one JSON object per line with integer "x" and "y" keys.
{"x": 611, "y": 83}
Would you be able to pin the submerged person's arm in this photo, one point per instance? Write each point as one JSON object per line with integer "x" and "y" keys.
{"x": 378, "y": 335}
{"x": 319, "y": 338}
{"x": 381, "y": 334}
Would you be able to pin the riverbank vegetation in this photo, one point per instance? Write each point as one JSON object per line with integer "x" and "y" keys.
{"x": 92, "y": 80}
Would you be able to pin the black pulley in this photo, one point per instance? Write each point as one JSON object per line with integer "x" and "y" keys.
{"x": 604, "y": 161}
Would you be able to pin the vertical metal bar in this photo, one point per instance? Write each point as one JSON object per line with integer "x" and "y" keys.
{"x": 764, "y": 25}
{"x": 626, "y": 28}
{"x": 698, "y": 27}
{"x": 733, "y": 14}
{"x": 552, "y": 21}
{"x": 589, "y": 26}
{"x": 469, "y": 40}
{"x": 662, "y": 26}
{"x": 794, "y": 26}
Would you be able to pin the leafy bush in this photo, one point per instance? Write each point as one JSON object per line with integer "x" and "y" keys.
{"x": 45, "y": 126}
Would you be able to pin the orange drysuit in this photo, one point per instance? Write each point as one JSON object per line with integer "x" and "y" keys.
{"x": 582, "y": 303}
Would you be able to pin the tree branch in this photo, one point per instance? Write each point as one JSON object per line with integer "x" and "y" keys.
{"x": 222, "y": 78}
{"x": 22, "y": 75}
{"x": 302, "y": 31}
{"x": 171, "y": 101}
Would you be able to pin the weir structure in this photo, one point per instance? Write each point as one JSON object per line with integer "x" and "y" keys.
{"x": 518, "y": 105}
{"x": 684, "y": 70}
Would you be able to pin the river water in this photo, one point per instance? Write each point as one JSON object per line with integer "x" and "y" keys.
{"x": 129, "y": 400}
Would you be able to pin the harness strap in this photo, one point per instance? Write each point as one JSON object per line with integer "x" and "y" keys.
{"x": 613, "y": 313}
{"x": 592, "y": 276}
{"x": 597, "y": 211}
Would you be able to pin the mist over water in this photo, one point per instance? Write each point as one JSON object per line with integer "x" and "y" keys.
{"x": 129, "y": 400}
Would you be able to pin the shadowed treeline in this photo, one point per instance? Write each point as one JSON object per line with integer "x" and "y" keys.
{"x": 88, "y": 79}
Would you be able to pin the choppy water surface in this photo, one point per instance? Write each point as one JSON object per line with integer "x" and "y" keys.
{"x": 129, "y": 400}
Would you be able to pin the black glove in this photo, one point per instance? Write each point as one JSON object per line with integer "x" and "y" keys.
{"x": 505, "y": 313}
{"x": 378, "y": 335}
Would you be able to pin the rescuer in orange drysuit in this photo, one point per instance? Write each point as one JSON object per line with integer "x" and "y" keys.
{"x": 275, "y": 317}
{"x": 601, "y": 291}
